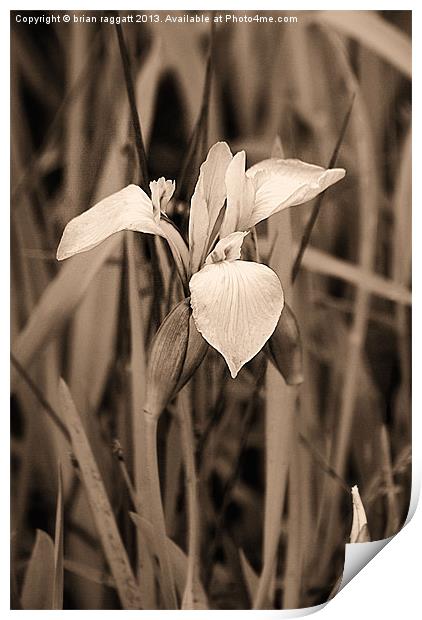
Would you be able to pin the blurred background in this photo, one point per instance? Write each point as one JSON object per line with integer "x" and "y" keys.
{"x": 274, "y": 462}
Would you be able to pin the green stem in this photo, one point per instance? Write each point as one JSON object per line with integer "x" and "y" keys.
{"x": 156, "y": 511}
{"x": 188, "y": 448}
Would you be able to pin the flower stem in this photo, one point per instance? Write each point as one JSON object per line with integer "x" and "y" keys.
{"x": 188, "y": 448}
{"x": 156, "y": 511}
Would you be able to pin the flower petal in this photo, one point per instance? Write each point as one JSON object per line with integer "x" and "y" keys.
{"x": 282, "y": 183}
{"x": 236, "y": 307}
{"x": 161, "y": 193}
{"x": 228, "y": 248}
{"x": 128, "y": 209}
{"x": 207, "y": 201}
{"x": 240, "y": 197}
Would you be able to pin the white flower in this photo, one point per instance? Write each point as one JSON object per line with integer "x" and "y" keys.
{"x": 236, "y": 304}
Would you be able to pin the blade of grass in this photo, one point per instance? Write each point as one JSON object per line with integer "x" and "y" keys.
{"x": 393, "y": 516}
{"x": 76, "y": 152}
{"x": 60, "y": 299}
{"x": 294, "y": 556}
{"x": 100, "y": 505}
{"x": 191, "y": 597}
{"x": 177, "y": 557}
{"x": 250, "y": 577}
{"x": 401, "y": 267}
{"x": 89, "y": 573}
{"x": 374, "y": 32}
{"x": 140, "y": 149}
{"x": 318, "y": 203}
{"x": 37, "y": 590}
{"x": 368, "y": 218}
{"x": 199, "y": 141}
{"x": 58, "y": 546}
{"x": 357, "y": 332}
{"x": 156, "y": 510}
{"x": 173, "y": 476}
{"x": 40, "y": 397}
{"x": 146, "y": 87}
{"x": 143, "y": 175}
{"x": 318, "y": 261}
{"x": 28, "y": 176}
{"x": 280, "y": 410}
{"x": 138, "y": 391}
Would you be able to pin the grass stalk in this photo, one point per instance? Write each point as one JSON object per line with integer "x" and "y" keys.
{"x": 279, "y": 431}
{"x": 139, "y": 142}
{"x": 318, "y": 203}
{"x": 188, "y": 447}
{"x": 367, "y": 228}
{"x": 393, "y": 518}
{"x": 138, "y": 391}
{"x": 156, "y": 510}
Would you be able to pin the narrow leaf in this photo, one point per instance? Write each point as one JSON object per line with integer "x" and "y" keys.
{"x": 318, "y": 261}
{"x": 178, "y": 559}
{"x": 89, "y": 573}
{"x": 139, "y": 143}
{"x": 318, "y": 203}
{"x": 373, "y": 32}
{"x": 199, "y": 140}
{"x": 138, "y": 394}
{"x": 60, "y": 299}
{"x": 280, "y": 414}
{"x": 37, "y": 591}
{"x": 101, "y": 510}
{"x": 58, "y": 546}
{"x": 251, "y": 578}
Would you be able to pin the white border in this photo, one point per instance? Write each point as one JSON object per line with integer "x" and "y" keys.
{"x": 388, "y": 586}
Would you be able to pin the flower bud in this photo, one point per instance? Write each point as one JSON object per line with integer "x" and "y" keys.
{"x": 195, "y": 353}
{"x": 176, "y": 352}
{"x": 284, "y": 348}
{"x": 360, "y": 531}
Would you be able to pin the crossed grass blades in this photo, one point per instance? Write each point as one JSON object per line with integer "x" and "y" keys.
{"x": 245, "y": 500}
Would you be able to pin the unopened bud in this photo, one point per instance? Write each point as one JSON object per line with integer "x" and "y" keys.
{"x": 195, "y": 353}
{"x": 284, "y": 348}
{"x": 176, "y": 352}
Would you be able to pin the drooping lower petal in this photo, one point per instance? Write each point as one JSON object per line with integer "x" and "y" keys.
{"x": 282, "y": 183}
{"x": 127, "y": 209}
{"x": 236, "y": 306}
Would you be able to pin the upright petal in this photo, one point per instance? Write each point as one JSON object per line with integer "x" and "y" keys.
{"x": 161, "y": 193}
{"x": 128, "y": 209}
{"x": 282, "y": 183}
{"x": 207, "y": 201}
{"x": 240, "y": 197}
{"x": 236, "y": 307}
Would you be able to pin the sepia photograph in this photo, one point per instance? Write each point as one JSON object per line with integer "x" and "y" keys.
{"x": 210, "y": 266}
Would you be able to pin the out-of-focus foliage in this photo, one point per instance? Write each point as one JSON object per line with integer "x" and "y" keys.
{"x": 275, "y": 463}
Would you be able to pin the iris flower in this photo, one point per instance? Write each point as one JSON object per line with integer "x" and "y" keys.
{"x": 236, "y": 304}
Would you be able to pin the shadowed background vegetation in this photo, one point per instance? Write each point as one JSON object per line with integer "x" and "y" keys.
{"x": 274, "y": 462}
